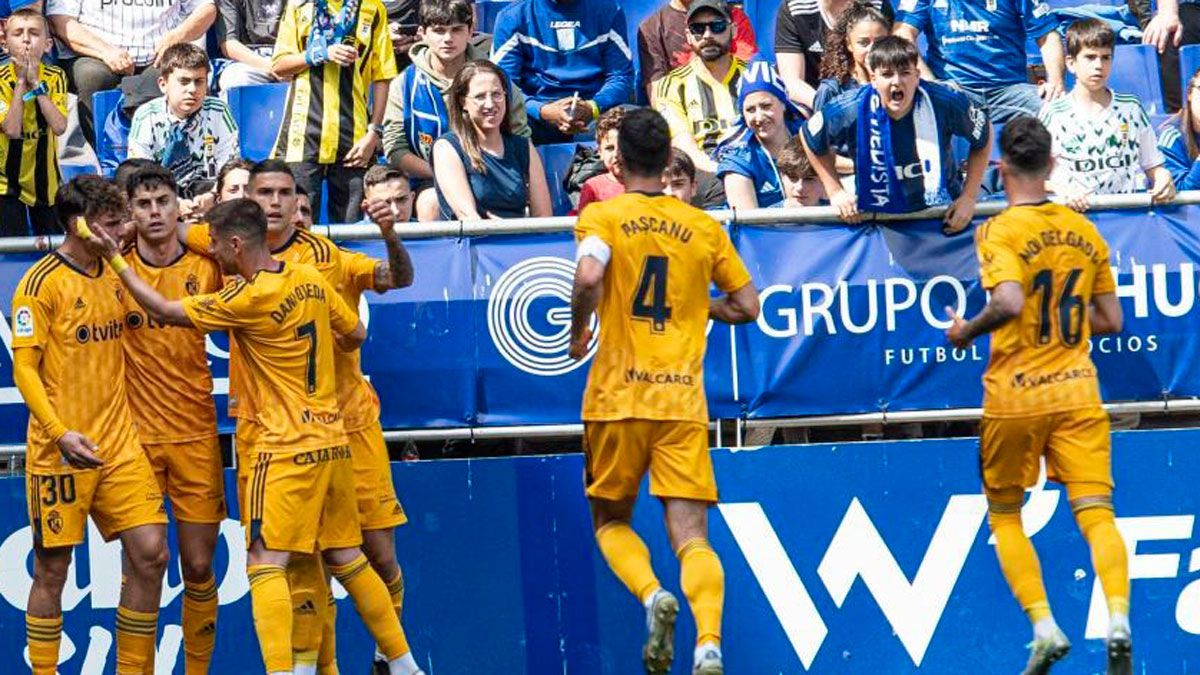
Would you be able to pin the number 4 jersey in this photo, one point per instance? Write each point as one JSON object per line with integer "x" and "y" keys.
{"x": 664, "y": 256}
{"x": 1040, "y": 362}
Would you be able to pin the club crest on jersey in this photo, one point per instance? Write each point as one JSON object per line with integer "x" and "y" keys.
{"x": 54, "y": 521}
{"x": 1124, "y": 128}
{"x": 192, "y": 286}
{"x": 23, "y": 322}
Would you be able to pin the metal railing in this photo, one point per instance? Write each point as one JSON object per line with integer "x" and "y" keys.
{"x": 761, "y": 217}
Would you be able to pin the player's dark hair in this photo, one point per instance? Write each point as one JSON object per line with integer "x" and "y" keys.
{"x": 239, "y": 217}
{"x": 301, "y": 191}
{"x": 644, "y": 143}
{"x": 680, "y": 165}
{"x": 380, "y": 174}
{"x": 446, "y": 13}
{"x": 1089, "y": 34}
{"x": 1025, "y": 146}
{"x": 271, "y": 166}
{"x": 88, "y": 196}
{"x": 793, "y": 162}
{"x": 150, "y": 178}
{"x": 129, "y": 167}
{"x": 229, "y": 167}
{"x": 185, "y": 56}
{"x": 891, "y": 51}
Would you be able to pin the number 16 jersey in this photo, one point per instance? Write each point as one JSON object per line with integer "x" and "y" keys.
{"x": 1039, "y": 362}
{"x": 665, "y": 255}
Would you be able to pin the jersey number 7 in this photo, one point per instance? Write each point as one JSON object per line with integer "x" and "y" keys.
{"x": 650, "y": 300}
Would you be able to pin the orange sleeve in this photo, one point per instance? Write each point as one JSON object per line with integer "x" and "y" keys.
{"x": 729, "y": 272}
{"x": 198, "y": 239}
{"x": 998, "y": 261}
{"x": 231, "y": 307}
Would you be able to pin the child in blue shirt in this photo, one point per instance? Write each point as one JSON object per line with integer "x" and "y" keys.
{"x": 899, "y": 132}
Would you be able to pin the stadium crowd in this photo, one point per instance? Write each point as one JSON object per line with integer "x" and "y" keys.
{"x": 474, "y": 119}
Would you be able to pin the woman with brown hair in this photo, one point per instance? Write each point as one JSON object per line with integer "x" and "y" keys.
{"x": 1179, "y": 140}
{"x": 844, "y": 65}
{"x": 480, "y": 169}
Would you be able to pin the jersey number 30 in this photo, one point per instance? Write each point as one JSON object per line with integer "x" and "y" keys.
{"x": 1071, "y": 309}
{"x": 650, "y": 300}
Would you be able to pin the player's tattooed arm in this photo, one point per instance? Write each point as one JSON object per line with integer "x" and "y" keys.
{"x": 585, "y": 298}
{"x": 1008, "y": 298}
{"x": 397, "y": 272}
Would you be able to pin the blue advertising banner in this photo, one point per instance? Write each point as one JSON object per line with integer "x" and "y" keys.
{"x": 852, "y": 321}
{"x": 856, "y": 558}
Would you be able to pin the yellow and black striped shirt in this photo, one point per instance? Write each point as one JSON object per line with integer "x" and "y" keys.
{"x": 327, "y": 105}
{"x": 694, "y": 102}
{"x": 31, "y": 164}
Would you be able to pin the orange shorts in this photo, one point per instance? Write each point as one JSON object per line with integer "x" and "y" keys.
{"x": 303, "y": 499}
{"x": 618, "y": 454}
{"x": 119, "y": 496}
{"x": 1076, "y": 444}
{"x": 245, "y": 434}
{"x": 378, "y": 508}
{"x": 190, "y": 474}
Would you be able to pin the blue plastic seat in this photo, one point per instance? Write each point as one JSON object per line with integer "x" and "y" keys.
{"x": 110, "y": 154}
{"x": 258, "y": 111}
{"x": 1189, "y": 63}
{"x": 70, "y": 171}
{"x": 556, "y": 160}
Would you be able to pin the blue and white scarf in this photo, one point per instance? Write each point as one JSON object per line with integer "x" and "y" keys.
{"x": 329, "y": 30}
{"x": 425, "y": 115}
{"x": 879, "y": 187}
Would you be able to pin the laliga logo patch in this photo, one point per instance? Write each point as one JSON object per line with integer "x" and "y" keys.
{"x": 23, "y": 322}
{"x": 529, "y": 316}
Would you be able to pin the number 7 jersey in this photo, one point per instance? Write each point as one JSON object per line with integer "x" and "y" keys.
{"x": 1039, "y": 362}
{"x": 665, "y": 255}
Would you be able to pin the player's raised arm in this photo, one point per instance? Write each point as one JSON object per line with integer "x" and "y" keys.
{"x": 389, "y": 201}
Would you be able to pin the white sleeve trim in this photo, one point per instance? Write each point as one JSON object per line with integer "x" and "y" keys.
{"x": 595, "y": 247}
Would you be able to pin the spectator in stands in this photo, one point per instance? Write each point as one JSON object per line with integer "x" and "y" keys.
{"x": 303, "y": 217}
{"x": 333, "y": 58}
{"x": 604, "y": 186}
{"x": 1103, "y": 142}
{"x": 416, "y": 111}
{"x": 1177, "y": 140}
{"x": 801, "y": 30}
{"x": 679, "y": 180}
{"x": 185, "y": 130}
{"x": 569, "y": 58}
{"x": 698, "y": 98}
{"x": 916, "y": 170}
{"x": 663, "y": 45}
{"x": 480, "y": 169}
{"x": 403, "y": 26}
{"x": 387, "y": 197}
{"x": 844, "y": 65}
{"x": 748, "y": 161}
{"x": 100, "y": 41}
{"x": 801, "y": 187}
{"x": 232, "y": 179}
{"x": 246, "y": 32}
{"x": 1176, "y": 23}
{"x": 33, "y": 102}
{"x": 980, "y": 47}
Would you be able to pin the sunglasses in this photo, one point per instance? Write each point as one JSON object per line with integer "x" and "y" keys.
{"x": 717, "y": 27}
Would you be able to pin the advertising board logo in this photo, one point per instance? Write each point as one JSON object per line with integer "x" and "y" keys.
{"x": 529, "y": 316}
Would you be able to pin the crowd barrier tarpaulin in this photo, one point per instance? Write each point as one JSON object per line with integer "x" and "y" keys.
{"x": 853, "y": 321}
{"x": 859, "y": 558}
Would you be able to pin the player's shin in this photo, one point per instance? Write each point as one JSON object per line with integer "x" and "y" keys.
{"x": 374, "y": 605}
{"x": 327, "y": 656}
{"x": 628, "y": 558}
{"x": 306, "y": 583}
{"x": 270, "y": 603}
{"x": 199, "y": 624}
{"x": 136, "y": 632}
{"x": 703, "y": 581}
{"x": 1018, "y": 560}
{"x": 1092, "y": 505}
{"x": 43, "y": 636}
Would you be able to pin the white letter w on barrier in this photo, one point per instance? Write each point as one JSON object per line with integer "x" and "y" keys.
{"x": 913, "y": 609}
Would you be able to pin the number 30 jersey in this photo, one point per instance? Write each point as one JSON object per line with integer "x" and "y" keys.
{"x": 283, "y": 324}
{"x": 664, "y": 256}
{"x": 1039, "y": 362}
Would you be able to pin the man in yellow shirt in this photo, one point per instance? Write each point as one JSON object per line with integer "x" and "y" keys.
{"x": 1047, "y": 269}
{"x": 285, "y": 319}
{"x": 646, "y": 262}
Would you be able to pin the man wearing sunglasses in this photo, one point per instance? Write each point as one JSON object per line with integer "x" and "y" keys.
{"x": 662, "y": 41}
{"x": 699, "y": 98}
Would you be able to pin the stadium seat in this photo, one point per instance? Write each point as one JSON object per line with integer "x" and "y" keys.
{"x": 556, "y": 160}
{"x": 1135, "y": 71}
{"x": 104, "y": 103}
{"x": 1189, "y": 62}
{"x": 258, "y": 111}
{"x": 70, "y": 171}
{"x": 486, "y": 12}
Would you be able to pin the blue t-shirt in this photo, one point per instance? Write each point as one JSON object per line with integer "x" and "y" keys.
{"x": 830, "y": 89}
{"x": 836, "y": 125}
{"x": 1185, "y": 171}
{"x": 504, "y": 190}
{"x": 978, "y": 43}
{"x": 745, "y": 156}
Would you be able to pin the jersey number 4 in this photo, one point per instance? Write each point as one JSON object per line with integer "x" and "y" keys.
{"x": 1071, "y": 309}
{"x": 650, "y": 300}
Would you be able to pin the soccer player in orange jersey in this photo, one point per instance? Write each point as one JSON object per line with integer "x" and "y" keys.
{"x": 83, "y": 455}
{"x": 285, "y": 319}
{"x": 170, "y": 394}
{"x": 647, "y": 261}
{"x": 1047, "y": 269}
{"x": 274, "y": 189}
